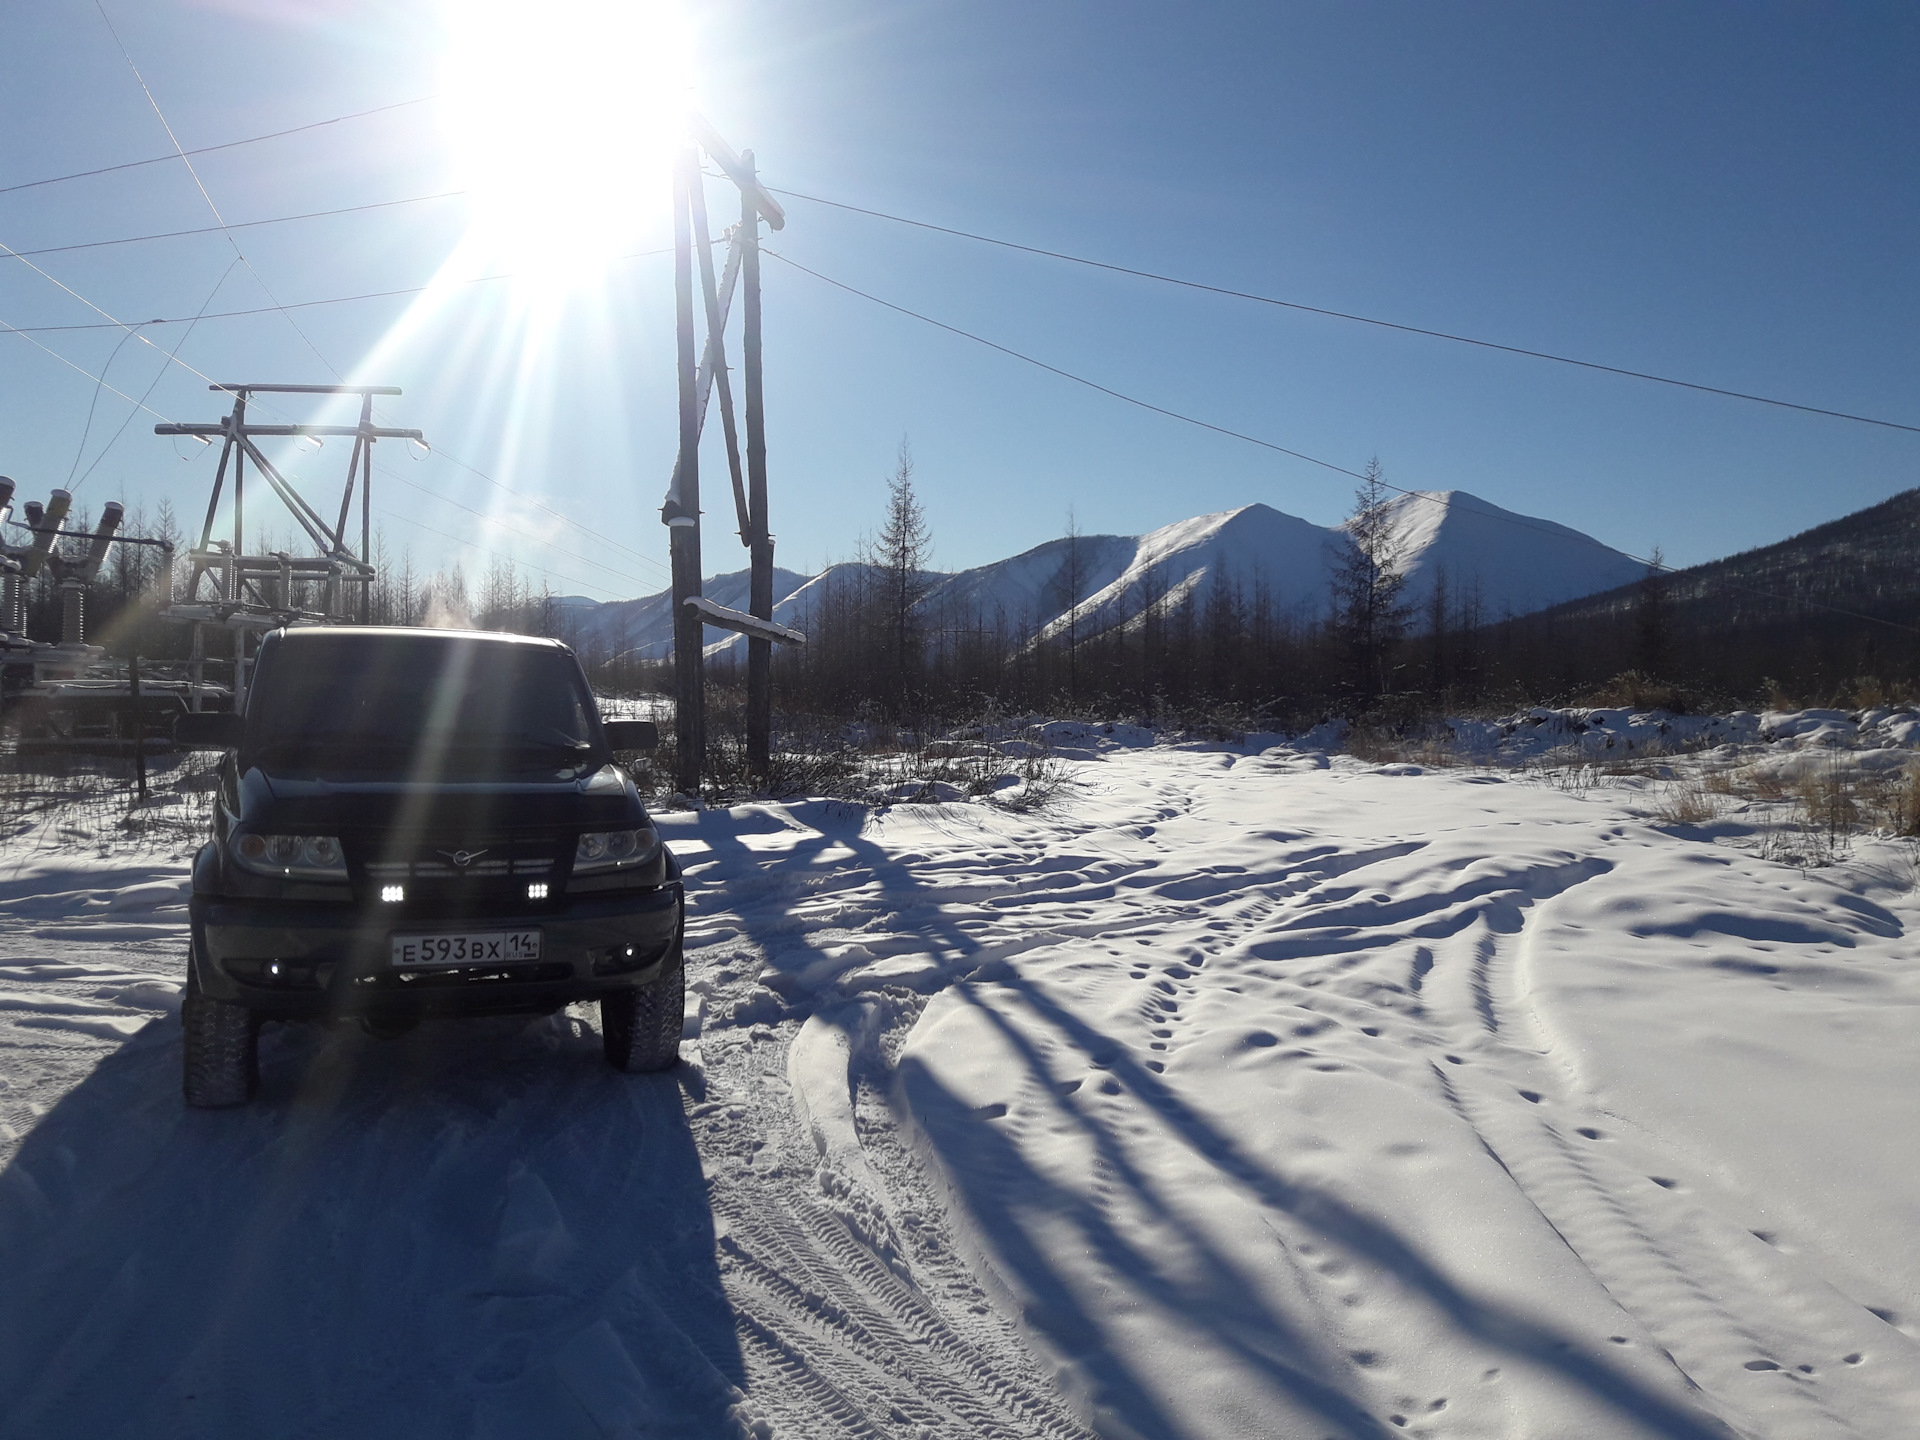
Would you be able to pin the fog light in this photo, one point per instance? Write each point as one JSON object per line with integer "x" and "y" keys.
{"x": 615, "y": 959}
{"x": 273, "y": 968}
{"x": 537, "y": 890}
{"x": 393, "y": 894}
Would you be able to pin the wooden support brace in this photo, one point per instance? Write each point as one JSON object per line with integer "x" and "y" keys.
{"x": 741, "y": 623}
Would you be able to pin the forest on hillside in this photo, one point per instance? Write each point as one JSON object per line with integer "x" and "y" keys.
{"x": 1830, "y": 617}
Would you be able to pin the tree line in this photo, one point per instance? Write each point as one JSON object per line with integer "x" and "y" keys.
{"x": 885, "y": 642}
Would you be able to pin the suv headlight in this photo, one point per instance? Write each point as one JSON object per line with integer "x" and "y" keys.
{"x": 290, "y": 857}
{"x": 602, "y": 850}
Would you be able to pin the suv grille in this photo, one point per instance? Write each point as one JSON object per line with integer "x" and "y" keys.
{"x": 420, "y": 868}
{"x": 498, "y": 869}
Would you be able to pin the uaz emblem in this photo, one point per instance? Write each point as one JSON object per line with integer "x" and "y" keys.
{"x": 463, "y": 858}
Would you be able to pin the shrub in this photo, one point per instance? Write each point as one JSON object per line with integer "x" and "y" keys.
{"x": 1635, "y": 690}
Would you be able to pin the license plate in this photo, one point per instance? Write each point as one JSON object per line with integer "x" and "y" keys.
{"x": 489, "y": 947}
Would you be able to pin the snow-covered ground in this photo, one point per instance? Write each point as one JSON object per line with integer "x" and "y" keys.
{"x": 1241, "y": 1091}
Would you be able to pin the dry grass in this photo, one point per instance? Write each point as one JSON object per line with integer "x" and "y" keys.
{"x": 1830, "y": 801}
{"x": 1686, "y": 802}
{"x": 872, "y": 764}
{"x": 1901, "y": 801}
{"x": 1381, "y": 747}
{"x": 87, "y": 802}
{"x": 1634, "y": 690}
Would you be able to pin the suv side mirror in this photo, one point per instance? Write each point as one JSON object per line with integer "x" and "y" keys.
{"x": 631, "y": 734}
{"x": 208, "y": 730}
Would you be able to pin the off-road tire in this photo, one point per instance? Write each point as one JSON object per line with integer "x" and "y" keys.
{"x": 640, "y": 1028}
{"x": 222, "y": 1049}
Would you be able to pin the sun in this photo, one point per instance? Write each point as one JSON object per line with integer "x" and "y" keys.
{"x": 564, "y": 117}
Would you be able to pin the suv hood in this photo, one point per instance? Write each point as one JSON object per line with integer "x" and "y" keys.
{"x": 605, "y": 799}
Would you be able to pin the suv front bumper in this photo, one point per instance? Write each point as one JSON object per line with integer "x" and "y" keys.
{"x": 293, "y": 960}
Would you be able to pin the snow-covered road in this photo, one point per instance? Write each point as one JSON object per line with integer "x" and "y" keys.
{"x": 1240, "y": 1094}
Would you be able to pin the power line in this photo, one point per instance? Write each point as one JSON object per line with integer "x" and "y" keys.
{"x": 1359, "y": 319}
{"x": 173, "y": 359}
{"x": 1520, "y": 521}
{"x": 94, "y": 404}
{"x": 227, "y": 231}
{"x": 112, "y": 324}
{"x": 1066, "y": 374}
{"x": 201, "y": 185}
{"x": 133, "y": 332}
{"x": 210, "y": 149}
{"x": 153, "y": 384}
{"x": 237, "y": 314}
{"x": 240, "y": 224}
{"x": 27, "y": 335}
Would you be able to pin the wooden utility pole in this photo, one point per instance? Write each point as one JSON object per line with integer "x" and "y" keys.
{"x": 760, "y": 539}
{"x": 693, "y": 613}
{"x": 690, "y": 703}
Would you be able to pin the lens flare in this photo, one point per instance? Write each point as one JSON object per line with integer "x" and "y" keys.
{"x": 564, "y": 117}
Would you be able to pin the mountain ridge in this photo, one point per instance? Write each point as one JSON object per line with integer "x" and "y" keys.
{"x": 1831, "y": 613}
{"x": 1290, "y": 560}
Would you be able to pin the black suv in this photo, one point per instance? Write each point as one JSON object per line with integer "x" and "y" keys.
{"x": 424, "y": 822}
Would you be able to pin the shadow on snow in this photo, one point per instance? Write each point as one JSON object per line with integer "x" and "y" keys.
{"x": 475, "y": 1230}
{"x": 1006, "y": 1195}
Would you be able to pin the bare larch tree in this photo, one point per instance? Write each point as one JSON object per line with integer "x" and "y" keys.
{"x": 899, "y": 555}
{"x": 1369, "y": 612}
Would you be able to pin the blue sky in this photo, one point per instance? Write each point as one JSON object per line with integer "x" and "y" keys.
{"x": 1728, "y": 193}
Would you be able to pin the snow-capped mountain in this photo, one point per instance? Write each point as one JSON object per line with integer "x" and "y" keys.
{"x": 1253, "y": 546}
{"x": 1513, "y": 563}
{"x": 1519, "y": 562}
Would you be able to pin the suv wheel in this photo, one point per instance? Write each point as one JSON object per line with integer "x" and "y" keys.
{"x": 222, "y": 1048}
{"x": 641, "y": 1027}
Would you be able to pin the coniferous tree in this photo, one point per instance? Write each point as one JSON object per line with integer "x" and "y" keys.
{"x": 1651, "y": 620}
{"x": 899, "y": 555}
{"x": 1439, "y": 618}
{"x": 1369, "y": 614}
{"x": 1069, "y": 589}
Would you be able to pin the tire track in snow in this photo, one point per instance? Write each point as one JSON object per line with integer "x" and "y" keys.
{"x": 1301, "y": 936}
{"x": 805, "y": 1262}
{"x": 848, "y": 1325}
{"x": 1665, "y": 1259}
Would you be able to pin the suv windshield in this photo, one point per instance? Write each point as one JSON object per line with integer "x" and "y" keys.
{"x": 423, "y": 706}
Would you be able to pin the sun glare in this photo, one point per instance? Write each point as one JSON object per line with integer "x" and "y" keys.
{"x": 564, "y": 116}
